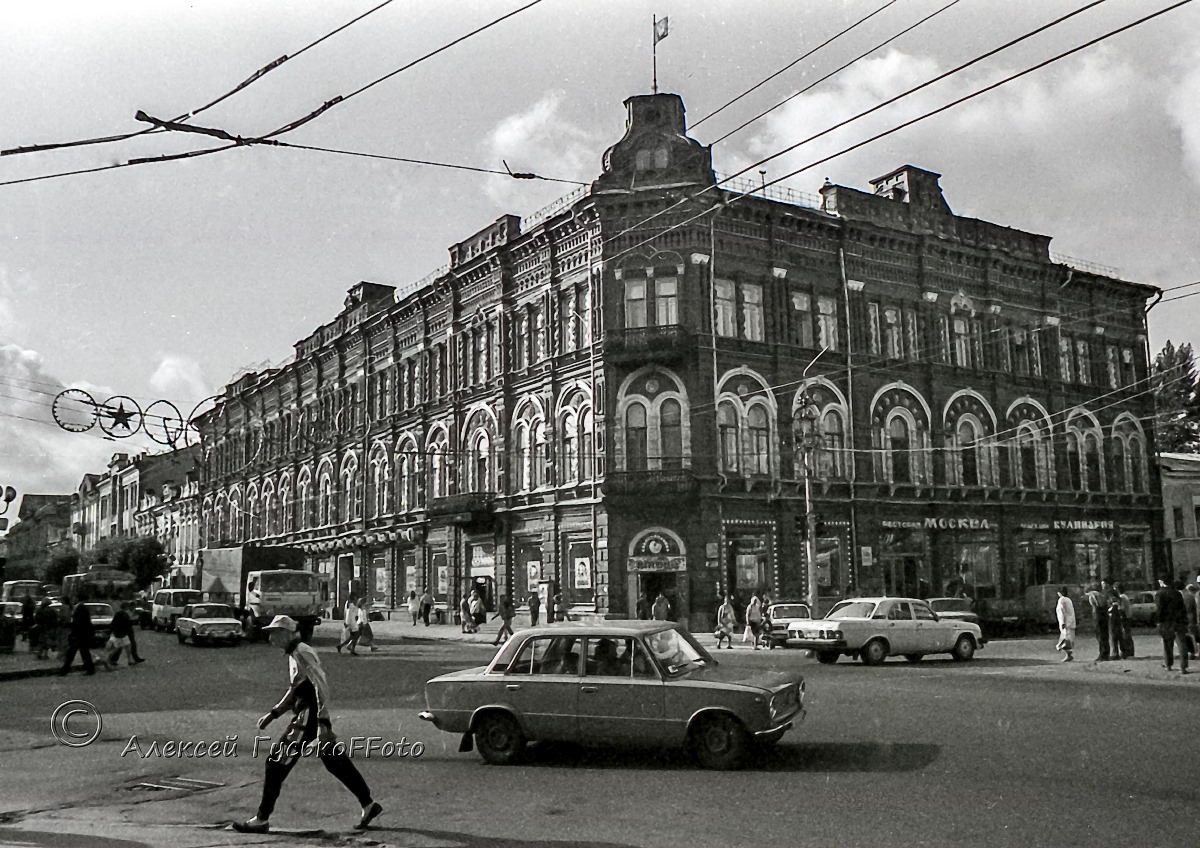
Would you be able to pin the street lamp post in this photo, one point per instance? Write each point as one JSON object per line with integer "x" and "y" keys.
{"x": 808, "y": 439}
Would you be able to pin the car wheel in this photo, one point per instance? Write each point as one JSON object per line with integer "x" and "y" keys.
{"x": 964, "y": 648}
{"x": 499, "y": 739}
{"x": 827, "y": 657}
{"x": 180, "y": 637}
{"x": 719, "y": 742}
{"x": 913, "y": 658}
{"x": 874, "y": 652}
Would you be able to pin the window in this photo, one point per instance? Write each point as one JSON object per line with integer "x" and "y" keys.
{"x": 760, "y": 440}
{"x": 1005, "y": 351}
{"x": 725, "y": 307}
{"x": 1177, "y": 516}
{"x": 1112, "y": 366}
{"x": 968, "y": 454}
{"x": 666, "y": 301}
{"x": 480, "y": 470}
{"x": 538, "y": 471}
{"x": 635, "y": 438}
{"x": 1137, "y": 468}
{"x": 523, "y": 458}
{"x": 1084, "y": 357}
{"x": 539, "y": 332}
{"x": 550, "y": 655}
{"x": 518, "y": 341}
{"x": 1120, "y": 483}
{"x": 899, "y": 449}
{"x": 1027, "y": 459}
{"x": 893, "y": 334}
{"x": 914, "y": 347}
{"x": 671, "y": 430}
{"x": 873, "y": 328}
{"x": 827, "y": 324}
{"x": 569, "y": 472}
{"x": 635, "y": 303}
{"x": 1035, "y": 353}
{"x": 1091, "y": 455}
{"x": 1020, "y": 353}
{"x": 801, "y": 329}
{"x": 829, "y": 456}
{"x": 944, "y": 339}
{"x": 962, "y": 343}
{"x": 1073, "y": 462}
{"x": 480, "y": 365}
{"x": 727, "y": 431}
{"x": 1065, "y": 360}
{"x": 753, "y": 312}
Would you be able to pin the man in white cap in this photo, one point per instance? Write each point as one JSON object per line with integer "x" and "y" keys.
{"x": 308, "y": 699}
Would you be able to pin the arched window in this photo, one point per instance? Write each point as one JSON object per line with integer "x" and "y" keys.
{"x": 253, "y": 516}
{"x": 1137, "y": 465}
{"x": 287, "y": 522}
{"x": 830, "y": 462}
{"x": 587, "y": 444}
{"x": 900, "y": 450}
{"x": 539, "y": 454}
{"x": 351, "y": 500}
{"x": 760, "y": 440}
{"x": 481, "y": 463}
{"x": 523, "y": 458}
{"x": 728, "y": 437}
{"x": 968, "y": 454}
{"x": 304, "y": 495}
{"x": 1091, "y": 455}
{"x": 270, "y": 526}
{"x": 670, "y": 423}
{"x": 1073, "y": 461}
{"x": 1120, "y": 479}
{"x": 569, "y": 462}
{"x": 439, "y": 469}
{"x": 325, "y": 509}
{"x": 635, "y": 438}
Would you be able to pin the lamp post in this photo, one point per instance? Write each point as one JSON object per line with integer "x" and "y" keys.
{"x": 808, "y": 439}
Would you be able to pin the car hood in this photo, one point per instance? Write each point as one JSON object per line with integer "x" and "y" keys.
{"x": 768, "y": 680}
{"x": 451, "y": 676}
{"x": 226, "y": 622}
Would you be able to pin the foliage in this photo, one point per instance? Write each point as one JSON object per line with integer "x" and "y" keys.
{"x": 143, "y": 556}
{"x": 1177, "y": 395}
{"x": 62, "y": 562}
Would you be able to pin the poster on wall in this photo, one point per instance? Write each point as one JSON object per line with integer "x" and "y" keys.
{"x": 410, "y": 578}
{"x": 534, "y": 570}
{"x": 583, "y": 572}
{"x": 443, "y": 579}
{"x": 381, "y": 582}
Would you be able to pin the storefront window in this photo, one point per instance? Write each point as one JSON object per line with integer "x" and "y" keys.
{"x": 748, "y": 565}
{"x": 1135, "y": 558}
{"x": 1034, "y": 565}
{"x": 831, "y": 558}
{"x": 902, "y": 566}
{"x": 1091, "y": 561}
{"x": 969, "y": 565}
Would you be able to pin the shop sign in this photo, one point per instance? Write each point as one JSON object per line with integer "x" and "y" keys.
{"x": 656, "y": 544}
{"x": 1034, "y": 526}
{"x": 902, "y": 525}
{"x": 957, "y": 524}
{"x": 1102, "y": 524}
{"x": 652, "y": 564}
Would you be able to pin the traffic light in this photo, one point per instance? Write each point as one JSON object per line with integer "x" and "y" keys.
{"x": 818, "y": 525}
{"x": 802, "y": 526}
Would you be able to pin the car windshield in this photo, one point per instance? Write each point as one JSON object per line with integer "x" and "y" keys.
{"x": 852, "y": 609}
{"x": 99, "y": 610}
{"x": 789, "y": 611}
{"x": 212, "y": 611}
{"x": 677, "y": 652}
{"x": 950, "y": 605}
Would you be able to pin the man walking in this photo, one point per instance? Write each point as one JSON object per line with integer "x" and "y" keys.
{"x": 1172, "y": 623}
{"x": 350, "y": 627}
{"x": 1065, "y": 611}
{"x": 80, "y": 639}
{"x": 506, "y": 613}
{"x": 535, "y": 604}
{"x": 1098, "y": 601}
{"x": 426, "y": 606}
{"x": 308, "y": 699}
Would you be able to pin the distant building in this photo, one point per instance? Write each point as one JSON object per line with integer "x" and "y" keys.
{"x": 1181, "y": 512}
{"x": 43, "y": 525}
{"x": 604, "y": 399}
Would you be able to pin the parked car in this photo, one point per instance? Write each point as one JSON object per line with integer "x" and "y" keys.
{"x": 102, "y": 617}
{"x": 168, "y": 605}
{"x": 781, "y": 614}
{"x": 207, "y": 623}
{"x": 872, "y": 629}
{"x": 956, "y": 608}
{"x": 1142, "y": 609}
{"x": 10, "y": 609}
{"x": 621, "y": 682}
{"x": 141, "y": 612}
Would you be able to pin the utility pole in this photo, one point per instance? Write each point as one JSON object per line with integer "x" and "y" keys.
{"x": 808, "y": 439}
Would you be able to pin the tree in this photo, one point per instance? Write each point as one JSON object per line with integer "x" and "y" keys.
{"x": 62, "y": 562}
{"x": 1177, "y": 397}
{"x": 143, "y": 557}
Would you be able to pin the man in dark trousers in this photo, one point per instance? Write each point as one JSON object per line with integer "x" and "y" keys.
{"x": 308, "y": 699}
{"x": 80, "y": 639}
{"x": 1172, "y": 623}
{"x": 1098, "y": 601}
{"x": 535, "y": 604}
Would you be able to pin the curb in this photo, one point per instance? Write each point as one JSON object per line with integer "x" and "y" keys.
{"x": 24, "y": 673}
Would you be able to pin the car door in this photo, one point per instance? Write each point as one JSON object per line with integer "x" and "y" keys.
{"x": 542, "y": 686}
{"x": 933, "y": 635}
{"x": 621, "y": 696}
{"x": 901, "y": 628}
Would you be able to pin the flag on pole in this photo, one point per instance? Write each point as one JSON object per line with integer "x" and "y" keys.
{"x": 660, "y": 30}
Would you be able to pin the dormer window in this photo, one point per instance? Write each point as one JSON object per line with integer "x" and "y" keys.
{"x": 647, "y": 159}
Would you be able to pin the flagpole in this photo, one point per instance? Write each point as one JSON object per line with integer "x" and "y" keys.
{"x": 654, "y": 49}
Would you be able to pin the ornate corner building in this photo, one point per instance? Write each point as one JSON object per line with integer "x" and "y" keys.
{"x": 604, "y": 400}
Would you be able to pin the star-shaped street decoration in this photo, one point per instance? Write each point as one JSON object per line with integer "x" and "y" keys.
{"x": 121, "y": 422}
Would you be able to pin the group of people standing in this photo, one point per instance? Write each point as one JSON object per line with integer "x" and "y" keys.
{"x": 356, "y": 627}
{"x": 757, "y": 620}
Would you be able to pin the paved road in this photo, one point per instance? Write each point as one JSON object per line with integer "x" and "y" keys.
{"x": 1000, "y": 751}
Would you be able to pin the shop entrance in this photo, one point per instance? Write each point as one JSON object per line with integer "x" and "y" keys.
{"x": 649, "y": 585}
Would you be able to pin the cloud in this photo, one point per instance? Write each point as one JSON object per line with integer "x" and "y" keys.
{"x": 179, "y": 379}
{"x": 538, "y": 140}
{"x": 36, "y": 455}
{"x": 14, "y": 288}
{"x": 1181, "y": 108}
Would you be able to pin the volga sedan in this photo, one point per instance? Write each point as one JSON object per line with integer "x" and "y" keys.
{"x": 872, "y": 629}
{"x": 206, "y": 623}
{"x": 622, "y": 682}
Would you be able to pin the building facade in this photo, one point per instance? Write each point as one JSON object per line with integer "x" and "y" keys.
{"x": 1181, "y": 512}
{"x": 604, "y": 401}
{"x": 43, "y": 526}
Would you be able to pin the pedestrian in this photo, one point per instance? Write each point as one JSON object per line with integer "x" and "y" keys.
{"x": 27, "y": 620}
{"x": 1126, "y": 606}
{"x": 79, "y": 639}
{"x": 535, "y": 606}
{"x": 505, "y": 614}
{"x": 350, "y": 631}
{"x": 754, "y": 616}
{"x": 661, "y": 611}
{"x": 1097, "y": 601}
{"x": 1116, "y": 624}
{"x": 63, "y": 630}
{"x": 1172, "y": 623}
{"x": 119, "y": 641}
{"x": 45, "y": 622}
{"x": 1189, "y": 604}
{"x": 726, "y": 622}
{"x": 644, "y": 608}
{"x": 366, "y": 636}
{"x": 478, "y": 610}
{"x": 426, "y": 605}
{"x": 466, "y": 616}
{"x": 414, "y": 606}
{"x": 307, "y": 697}
{"x": 1065, "y": 610}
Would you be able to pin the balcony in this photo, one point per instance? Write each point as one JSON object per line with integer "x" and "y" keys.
{"x": 648, "y": 344}
{"x": 671, "y": 485}
{"x": 464, "y": 508}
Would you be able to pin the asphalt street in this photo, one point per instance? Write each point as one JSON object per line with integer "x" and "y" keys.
{"x": 992, "y": 752}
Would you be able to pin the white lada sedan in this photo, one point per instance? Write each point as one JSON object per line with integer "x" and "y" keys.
{"x": 872, "y": 629}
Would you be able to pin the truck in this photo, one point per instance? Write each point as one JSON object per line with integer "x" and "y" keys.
{"x": 261, "y": 582}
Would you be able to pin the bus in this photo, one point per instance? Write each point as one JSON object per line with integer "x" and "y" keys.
{"x": 100, "y": 584}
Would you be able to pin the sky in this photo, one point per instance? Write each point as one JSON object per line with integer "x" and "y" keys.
{"x": 166, "y": 280}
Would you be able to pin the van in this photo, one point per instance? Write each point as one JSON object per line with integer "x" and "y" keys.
{"x": 168, "y": 605}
